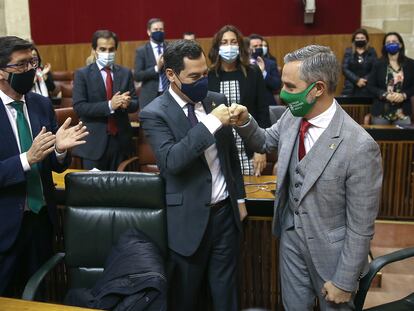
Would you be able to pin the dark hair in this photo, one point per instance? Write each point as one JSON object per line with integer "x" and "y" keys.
{"x": 401, "y": 54}
{"x": 255, "y": 36}
{"x": 38, "y": 56}
{"x": 243, "y": 59}
{"x": 360, "y": 31}
{"x": 152, "y": 21}
{"x": 105, "y": 34}
{"x": 10, "y": 44}
{"x": 176, "y": 51}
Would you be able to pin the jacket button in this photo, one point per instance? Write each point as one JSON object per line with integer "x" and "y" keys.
{"x": 295, "y": 199}
{"x": 297, "y": 171}
{"x": 296, "y": 213}
{"x": 296, "y": 185}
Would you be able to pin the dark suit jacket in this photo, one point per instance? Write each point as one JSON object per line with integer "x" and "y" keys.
{"x": 272, "y": 80}
{"x": 376, "y": 85}
{"x": 145, "y": 73}
{"x": 12, "y": 176}
{"x": 252, "y": 94}
{"x": 179, "y": 150}
{"x": 91, "y": 105}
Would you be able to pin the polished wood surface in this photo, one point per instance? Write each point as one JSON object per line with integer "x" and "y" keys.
{"x": 357, "y": 112}
{"x": 260, "y": 188}
{"x": 73, "y": 56}
{"x": 8, "y": 304}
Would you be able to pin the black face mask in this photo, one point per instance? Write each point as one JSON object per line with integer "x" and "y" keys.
{"x": 257, "y": 52}
{"x": 22, "y": 82}
{"x": 360, "y": 43}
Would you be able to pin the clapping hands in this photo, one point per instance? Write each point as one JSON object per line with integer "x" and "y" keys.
{"x": 235, "y": 115}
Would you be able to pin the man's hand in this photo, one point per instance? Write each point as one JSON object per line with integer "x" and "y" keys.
{"x": 239, "y": 114}
{"x": 362, "y": 82}
{"x": 160, "y": 63}
{"x": 260, "y": 62}
{"x": 259, "y": 163}
{"x": 242, "y": 210}
{"x": 334, "y": 294}
{"x": 42, "y": 145}
{"x": 69, "y": 137}
{"x": 222, "y": 113}
{"x": 120, "y": 100}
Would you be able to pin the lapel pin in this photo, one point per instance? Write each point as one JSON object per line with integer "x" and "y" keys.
{"x": 332, "y": 146}
{"x": 213, "y": 104}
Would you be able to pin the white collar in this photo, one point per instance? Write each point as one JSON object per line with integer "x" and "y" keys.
{"x": 7, "y": 99}
{"x": 100, "y": 67}
{"x": 178, "y": 99}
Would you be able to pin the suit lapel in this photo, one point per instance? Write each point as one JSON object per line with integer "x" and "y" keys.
{"x": 33, "y": 116}
{"x": 322, "y": 151}
{"x": 286, "y": 150}
{"x": 150, "y": 54}
{"x": 96, "y": 76}
{"x": 117, "y": 79}
{"x": 8, "y": 138}
{"x": 176, "y": 113}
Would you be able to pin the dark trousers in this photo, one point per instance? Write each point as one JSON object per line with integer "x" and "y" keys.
{"x": 110, "y": 159}
{"x": 216, "y": 261}
{"x": 32, "y": 248}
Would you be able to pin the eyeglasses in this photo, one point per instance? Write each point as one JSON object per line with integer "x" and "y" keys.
{"x": 34, "y": 63}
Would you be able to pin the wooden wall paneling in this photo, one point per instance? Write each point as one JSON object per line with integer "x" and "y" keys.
{"x": 128, "y": 52}
{"x": 76, "y": 55}
{"x": 55, "y": 55}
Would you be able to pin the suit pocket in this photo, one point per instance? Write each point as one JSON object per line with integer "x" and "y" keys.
{"x": 174, "y": 199}
{"x": 336, "y": 235}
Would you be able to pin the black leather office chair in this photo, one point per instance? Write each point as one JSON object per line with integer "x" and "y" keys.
{"x": 376, "y": 265}
{"x": 100, "y": 206}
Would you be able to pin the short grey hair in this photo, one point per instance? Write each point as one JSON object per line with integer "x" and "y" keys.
{"x": 319, "y": 63}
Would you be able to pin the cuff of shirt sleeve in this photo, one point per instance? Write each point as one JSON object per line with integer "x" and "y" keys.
{"x": 111, "y": 111}
{"x": 264, "y": 74}
{"x": 156, "y": 68}
{"x": 212, "y": 123}
{"x": 60, "y": 157}
{"x": 241, "y": 201}
{"x": 25, "y": 163}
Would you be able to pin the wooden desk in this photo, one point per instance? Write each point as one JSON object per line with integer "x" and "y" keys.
{"x": 260, "y": 195}
{"x": 59, "y": 178}
{"x": 8, "y": 304}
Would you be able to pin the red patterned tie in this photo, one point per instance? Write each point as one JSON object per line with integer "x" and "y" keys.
{"x": 112, "y": 127}
{"x": 304, "y": 126}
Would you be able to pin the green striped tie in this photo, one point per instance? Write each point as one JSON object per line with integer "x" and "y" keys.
{"x": 35, "y": 199}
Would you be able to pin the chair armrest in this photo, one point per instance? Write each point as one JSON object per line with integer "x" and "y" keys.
{"x": 33, "y": 283}
{"x": 122, "y": 166}
{"x": 376, "y": 265}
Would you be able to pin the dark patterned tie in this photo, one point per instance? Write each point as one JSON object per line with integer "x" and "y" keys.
{"x": 304, "y": 126}
{"x": 35, "y": 199}
{"x": 164, "y": 80}
{"x": 191, "y": 115}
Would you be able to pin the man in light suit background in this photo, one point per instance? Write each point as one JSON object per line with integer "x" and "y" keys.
{"x": 103, "y": 95}
{"x": 329, "y": 184}
{"x": 32, "y": 147}
{"x": 149, "y": 63}
{"x": 198, "y": 160}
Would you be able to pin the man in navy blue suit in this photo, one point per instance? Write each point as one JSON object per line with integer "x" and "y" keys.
{"x": 32, "y": 146}
{"x": 268, "y": 67}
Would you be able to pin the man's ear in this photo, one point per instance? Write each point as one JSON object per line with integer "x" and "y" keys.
{"x": 170, "y": 75}
{"x": 321, "y": 88}
{"x": 149, "y": 33}
{"x": 4, "y": 75}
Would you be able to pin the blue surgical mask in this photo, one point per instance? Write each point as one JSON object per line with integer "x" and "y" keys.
{"x": 229, "y": 53}
{"x": 106, "y": 59}
{"x": 195, "y": 91}
{"x": 157, "y": 36}
{"x": 392, "y": 48}
{"x": 264, "y": 50}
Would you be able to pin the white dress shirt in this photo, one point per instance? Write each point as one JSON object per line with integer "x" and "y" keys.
{"x": 213, "y": 124}
{"x": 157, "y": 56}
{"x": 318, "y": 126}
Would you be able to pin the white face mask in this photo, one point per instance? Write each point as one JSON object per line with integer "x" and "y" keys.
{"x": 106, "y": 59}
{"x": 264, "y": 50}
{"x": 229, "y": 53}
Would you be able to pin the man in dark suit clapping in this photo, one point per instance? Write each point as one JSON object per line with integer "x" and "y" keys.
{"x": 196, "y": 153}
{"x": 103, "y": 95}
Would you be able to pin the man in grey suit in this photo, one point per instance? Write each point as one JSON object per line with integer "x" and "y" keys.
{"x": 329, "y": 184}
{"x": 103, "y": 95}
{"x": 149, "y": 63}
{"x": 197, "y": 157}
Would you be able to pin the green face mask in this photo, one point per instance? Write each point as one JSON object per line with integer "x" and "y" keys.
{"x": 297, "y": 102}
